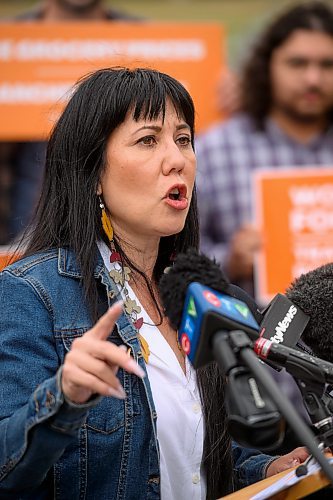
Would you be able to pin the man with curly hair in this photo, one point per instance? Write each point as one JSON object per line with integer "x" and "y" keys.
{"x": 285, "y": 120}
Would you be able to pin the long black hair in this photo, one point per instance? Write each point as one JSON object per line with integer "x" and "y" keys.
{"x": 256, "y": 78}
{"x": 68, "y": 213}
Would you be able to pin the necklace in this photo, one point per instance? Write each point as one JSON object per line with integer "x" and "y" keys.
{"x": 121, "y": 275}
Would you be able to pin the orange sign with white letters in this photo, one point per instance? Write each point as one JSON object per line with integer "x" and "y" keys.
{"x": 39, "y": 62}
{"x": 294, "y": 209}
{"x": 7, "y": 256}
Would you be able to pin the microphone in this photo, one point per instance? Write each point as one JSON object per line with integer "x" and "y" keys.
{"x": 194, "y": 308}
{"x": 212, "y": 307}
{"x": 230, "y": 308}
{"x": 283, "y": 322}
{"x": 192, "y": 267}
{"x": 313, "y": 293}
{"x": 197, "y": 296}
{"x": 299, "y": 364}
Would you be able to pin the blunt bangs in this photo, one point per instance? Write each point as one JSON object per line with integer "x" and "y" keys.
{"x": 144, "y": 92}
{"x": 102, "y": 100}
{"x": 151, "y": 94}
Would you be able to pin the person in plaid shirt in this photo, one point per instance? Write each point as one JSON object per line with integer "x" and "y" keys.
{"x": 285, "y": 120}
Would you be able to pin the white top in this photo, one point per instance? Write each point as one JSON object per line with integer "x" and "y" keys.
{"x": 180, "y": 428}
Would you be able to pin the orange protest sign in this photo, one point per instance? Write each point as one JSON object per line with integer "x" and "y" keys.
{"x": 294, "y": 209}
{"x": 4, "y": 258}
{"x": 39, "y": 62}
{"x": 7, "y": 256}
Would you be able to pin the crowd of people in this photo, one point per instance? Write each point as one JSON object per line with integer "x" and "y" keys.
{"x": 99, "y": 400}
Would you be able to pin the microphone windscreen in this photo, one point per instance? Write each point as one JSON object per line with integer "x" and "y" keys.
{"x": 188, "y": 267}
{"x": 313, "y": 293}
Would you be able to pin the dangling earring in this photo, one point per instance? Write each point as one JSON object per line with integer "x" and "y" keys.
{"x": 106, "y": 223}
{"x": 121, "y": 275}
{"x": 172, "y": 259}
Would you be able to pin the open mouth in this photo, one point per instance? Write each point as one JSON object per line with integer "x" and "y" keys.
{"x": 177, "y": 193}
{"x": 174, "y": 194}
{"x": 176, "y": 197}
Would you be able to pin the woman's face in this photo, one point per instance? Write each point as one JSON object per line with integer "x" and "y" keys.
{"x": 148, "y": 182}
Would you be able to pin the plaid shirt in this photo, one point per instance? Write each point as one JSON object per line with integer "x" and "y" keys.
{"x": 227, "y": 154}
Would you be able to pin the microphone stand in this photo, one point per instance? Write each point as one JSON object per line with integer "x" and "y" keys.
{"x": 320, "y": 415}
{"x": 317, "y": 404}
{"x": 311, "y": 380}
{"x": 242, "y": 347}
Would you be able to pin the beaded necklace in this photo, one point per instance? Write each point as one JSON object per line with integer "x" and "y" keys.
{"x": 121, "y": 275}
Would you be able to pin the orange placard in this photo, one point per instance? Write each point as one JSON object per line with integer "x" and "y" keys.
{"x": 39, "y": 62}
{"x": 294, "y": 209}
{"x": 7, "y": 256}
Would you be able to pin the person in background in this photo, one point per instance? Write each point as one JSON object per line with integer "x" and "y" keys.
{"x": 285, "y": 119}
{"x": 98, "y": 399}
{"x": 22, "y": 163}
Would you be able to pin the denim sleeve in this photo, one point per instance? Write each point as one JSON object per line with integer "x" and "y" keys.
{"x": 250, "y": 465}
{"x": 36, "y": 424}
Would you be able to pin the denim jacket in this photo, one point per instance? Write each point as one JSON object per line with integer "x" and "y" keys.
{"x": 50, "y": 448}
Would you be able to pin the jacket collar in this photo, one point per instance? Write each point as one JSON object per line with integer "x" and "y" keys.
{"x": 68, "y": 265}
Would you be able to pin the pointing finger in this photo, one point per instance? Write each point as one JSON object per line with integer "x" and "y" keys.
{"x": 104, "y": 326}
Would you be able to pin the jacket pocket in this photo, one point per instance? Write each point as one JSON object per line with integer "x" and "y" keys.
{"x": 109, "y": 414}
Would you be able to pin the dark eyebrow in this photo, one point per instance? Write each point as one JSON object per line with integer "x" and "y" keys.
{"x": 183, "y": 125}
{"x": 157, "y": 128}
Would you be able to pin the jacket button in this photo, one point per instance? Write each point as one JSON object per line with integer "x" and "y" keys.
{"x": 154, "y": 479}
{"x": 195, "y": 478}
{"x": 50, "y": 399}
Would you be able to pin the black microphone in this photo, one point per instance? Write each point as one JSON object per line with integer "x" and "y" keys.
{"x": 193, "y": 267}
{"x": 216, "y": 314}
{"x": 199, "y": 301}
{"x": 313, "y": 293}
{"x": 283, "y": 321}
{"x": 300, "y": 364}
{"x": 205, "y": 308}
{"x": 197, "y": 295}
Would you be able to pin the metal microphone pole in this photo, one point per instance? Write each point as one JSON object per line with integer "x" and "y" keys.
{"x": 242, "y": 347}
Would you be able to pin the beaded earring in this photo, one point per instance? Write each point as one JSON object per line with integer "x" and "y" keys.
{"x": 121, "y": 276}
{"x": 106, "y": 223}
{"x": 172, "y": 259}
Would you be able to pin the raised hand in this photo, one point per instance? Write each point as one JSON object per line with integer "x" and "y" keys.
{"x": 90, "y": 367}
{"x": 244, "y": 245}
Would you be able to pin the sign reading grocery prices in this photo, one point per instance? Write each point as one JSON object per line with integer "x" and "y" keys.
{"x": 39, "y": 62}
{"x": 294, "y": 209}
